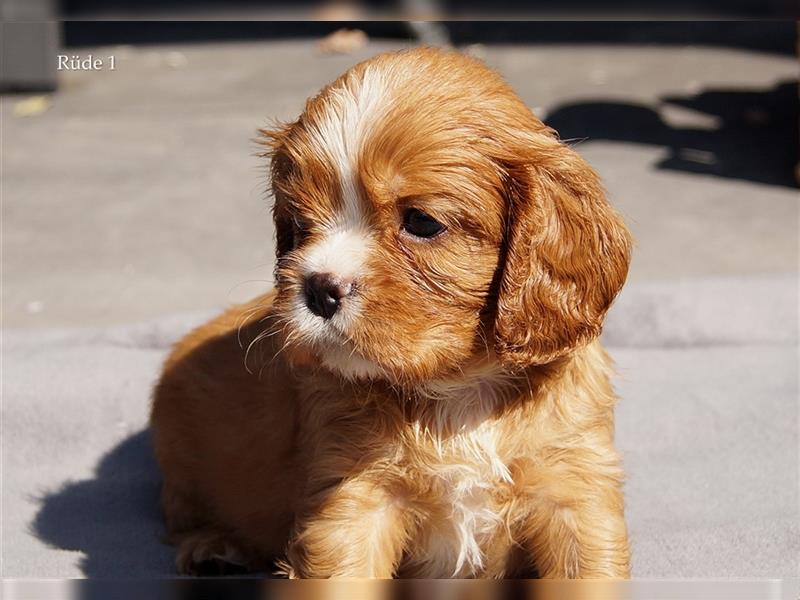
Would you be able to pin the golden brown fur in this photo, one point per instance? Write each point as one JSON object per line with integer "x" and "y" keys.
{"x": 458, "y": 420}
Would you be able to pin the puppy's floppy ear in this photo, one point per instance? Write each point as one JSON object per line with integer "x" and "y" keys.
{"x": 274, "y": 142}
{"x": 566, "y": 255}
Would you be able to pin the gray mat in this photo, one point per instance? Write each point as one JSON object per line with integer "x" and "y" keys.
{"x": 708, "y": 425}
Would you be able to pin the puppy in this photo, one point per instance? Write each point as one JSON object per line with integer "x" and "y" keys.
{"x": 423, "y": 393}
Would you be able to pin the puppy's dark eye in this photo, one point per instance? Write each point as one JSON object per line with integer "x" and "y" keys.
{"x": 418, "y": 224}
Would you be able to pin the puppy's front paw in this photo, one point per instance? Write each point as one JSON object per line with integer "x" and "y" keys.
{"x": 206, "y": 553}
{"x": 284, "y": 569}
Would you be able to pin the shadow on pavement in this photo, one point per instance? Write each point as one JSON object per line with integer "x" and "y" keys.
{"x": 114, "y": 518}
{"x": 756, "y": 138}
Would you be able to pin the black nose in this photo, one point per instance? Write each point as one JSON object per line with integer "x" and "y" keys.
{"x": 324, "y": 294}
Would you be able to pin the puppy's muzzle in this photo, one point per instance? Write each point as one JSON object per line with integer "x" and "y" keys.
{"x": 325, "y": 292}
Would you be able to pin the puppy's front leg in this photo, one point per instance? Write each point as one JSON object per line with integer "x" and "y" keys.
{"x": 576, "y": 528}
{"x": 353, "y": 530}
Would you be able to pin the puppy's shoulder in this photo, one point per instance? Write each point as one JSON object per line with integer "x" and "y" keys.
{"x": 238, "y": 324}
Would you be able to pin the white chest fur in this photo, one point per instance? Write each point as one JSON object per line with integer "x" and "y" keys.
{"x": 464, "y": 474}
{"x": 462, "y": 462}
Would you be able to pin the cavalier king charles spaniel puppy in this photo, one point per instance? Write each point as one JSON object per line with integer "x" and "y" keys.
{"x": 423, "y": 394}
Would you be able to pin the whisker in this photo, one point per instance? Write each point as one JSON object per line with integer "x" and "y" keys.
{"x": 257, "y": 339}
{"x": 245, "y": 316}
{"x": 289, "y": 340}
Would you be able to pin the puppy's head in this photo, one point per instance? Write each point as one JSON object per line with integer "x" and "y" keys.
{"x": 425, "y": 218}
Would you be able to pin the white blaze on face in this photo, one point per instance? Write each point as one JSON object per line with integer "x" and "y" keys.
{"x": 339, "y": 135}
{"x": 351, "y": 111}
{"x": 342, "y": 251}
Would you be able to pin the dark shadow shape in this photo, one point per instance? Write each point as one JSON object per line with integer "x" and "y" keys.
{"x": 114, "y": 518}
{"x": 757, "y": 137}
{"x": 77, "y": 34}
{"x": 776, "y": 37}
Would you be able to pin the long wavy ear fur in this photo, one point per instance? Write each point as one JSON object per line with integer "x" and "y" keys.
{"x": 567, "y": 254}
{"x": 273, "y": 140}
